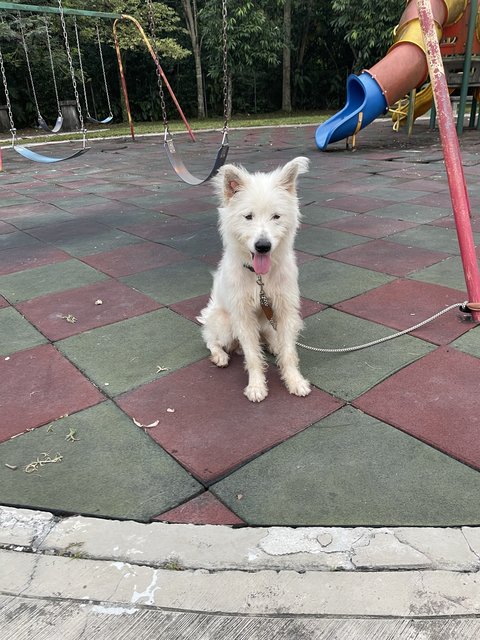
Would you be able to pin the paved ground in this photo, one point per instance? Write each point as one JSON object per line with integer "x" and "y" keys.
{"x": 105, "y": 262}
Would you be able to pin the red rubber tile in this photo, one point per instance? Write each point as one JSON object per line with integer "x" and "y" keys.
{"x": 388, "y": 257}
{"x": 209, "y": 426}
{"x": 440, "y": 199}
{"x": 133, "y": 258}
{"x": 369, "y": 226}
{"x": 119, "y": 302}
{"x": 204, "y": 509}
{"x": 449, "y": 223}
{"x": 6, "y": 228}
{"x": 28, "y": 257}
{"x": 3, "y": 302}
{"x": 356, "y": 203}
{"x": 161, "y": 229}
{"x": 425, "y": 185}
{"x": 40, "y": 385}
{"x": 434, "y": 399}
{"x": 191, "y": 308}
{"x": 404, "y": 303}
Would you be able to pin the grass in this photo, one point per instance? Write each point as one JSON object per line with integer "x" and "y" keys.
{"x": 142, "y": 128}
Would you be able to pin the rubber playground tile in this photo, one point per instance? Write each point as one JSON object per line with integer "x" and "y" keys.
{"x": 393, "y": 194}
{"x": 189, "y": 205}
{"x": 27, "y": 257}
{"x": 191, "y": 308}
{"x": 173, "y": 283}
{"x": 158, "y": 230}
{"x": 204, "y": 509}
{"x": 35, "y": 208}
{"x": 404, "y": 303}
{"x": 438, "y": 199}
{"x": 431, "y": 185}
{"x": 133, "y": 258}
{"x": 40, "y": 385}
{"x": 26, "y": 222}
{"x": 108, "y": 468}
{"x": 17, "y": 239}
{"x": 318, "y": 214}
{"x": 78, "y": 201}
{"x": 83, "y": 237}
{"x": 351, "y": 470}
{"x": 411, "y": 212}
{"x": 50, "y": 278}
{"x": 67, "y": 313}
{"x": 469, "y": 343}
{"x": 431, "y": 237}
{"x": 388, "y": 257}
{"x": 347, "y": 375}
{"x": 448, "y": 273}
{"x": 369, "y": 226}
{"x": 207, "y": 423}
{"x": 319, "y": 240}
{"x": 6, "y": 228}
{"x": 357, "y": 203}
{"x": 329, "y": 281}
{"x": 3, "y": 303}
{"x": 197, "y": 244}
{"x": 16, "y": 333}
{"x": 436, "y": 401}
{"x": 127, "y": 354}
{"x": 14, "y": 200}
{"x": 449, "y": 223}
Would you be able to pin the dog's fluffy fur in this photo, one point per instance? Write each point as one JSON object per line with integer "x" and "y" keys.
{"x": 258, "y": 220}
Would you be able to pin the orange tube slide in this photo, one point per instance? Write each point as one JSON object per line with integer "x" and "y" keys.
{"x": 405, "y": 65}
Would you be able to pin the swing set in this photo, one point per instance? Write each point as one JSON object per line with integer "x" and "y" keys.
{"x": 171, "y": 151}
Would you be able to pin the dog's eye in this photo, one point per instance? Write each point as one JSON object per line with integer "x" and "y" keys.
{"x": 249, "y": 216}
{"x": 275, "y": 216}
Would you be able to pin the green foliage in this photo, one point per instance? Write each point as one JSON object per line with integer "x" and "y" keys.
{"x": 367, "y": 26}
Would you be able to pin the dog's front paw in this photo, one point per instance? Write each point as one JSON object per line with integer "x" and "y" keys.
{"x": 256, "y": 393}
{"x": 220, "y": 358}
{"x": 299, "y": 386}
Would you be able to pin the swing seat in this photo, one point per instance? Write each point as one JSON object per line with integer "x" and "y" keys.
{"x": 38, "y": 157}
{"x": 43, "y": 125}
{"x": 181, "y": 170}
{"x": 105, "y": 121}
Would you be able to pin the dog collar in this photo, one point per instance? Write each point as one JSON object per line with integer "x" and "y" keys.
{"x": 264, "y": 300}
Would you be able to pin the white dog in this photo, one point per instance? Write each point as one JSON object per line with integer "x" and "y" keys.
{"x": 258, "y": 222}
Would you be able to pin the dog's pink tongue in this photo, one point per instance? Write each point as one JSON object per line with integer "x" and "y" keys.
{"x": 261, "y": 263}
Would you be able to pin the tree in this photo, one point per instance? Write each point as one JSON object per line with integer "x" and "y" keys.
{"x": 287, "y": 43}
{"x": 191, "y": 17}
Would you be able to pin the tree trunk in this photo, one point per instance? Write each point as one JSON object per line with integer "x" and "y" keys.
{"x": 287, "y": 35}
{"x": 190, "y": 10}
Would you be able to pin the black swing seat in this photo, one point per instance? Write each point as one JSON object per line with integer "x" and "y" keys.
{"x": 104, "y": 121}
{"x": 181, "y": 170}
{"x": 29, "y": 154}
{"x": 43, "y": 125}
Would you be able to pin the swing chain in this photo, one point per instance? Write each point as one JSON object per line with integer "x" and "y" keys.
{"x": 225, "y": 68}
{"x": 103, "y": 70}
{"x": 80, "y": 64}
{"x": 27, "y": 58}
{"x": 50, "y": 54}
{"x": 13, "y": 131}
{"x": 72, "y": 72}
{"x": 161, "y": 93}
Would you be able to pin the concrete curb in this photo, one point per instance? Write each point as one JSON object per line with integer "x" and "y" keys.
{"x": 319, "y": 571}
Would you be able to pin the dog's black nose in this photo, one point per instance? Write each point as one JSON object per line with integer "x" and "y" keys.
{"x": 263, "y": 246}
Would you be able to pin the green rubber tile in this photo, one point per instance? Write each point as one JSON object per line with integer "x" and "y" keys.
{"x": 31, "y": 283}
{"x": 468, "y": 343}
{"x": 448, "y": 273}
{"x": 394, "y": 194}
{"x": 197, "y": 244}
{"x": 79, "y": 201}
{"x": 16, "y": 239}
{"x": 350, "y": 470}
{"x": 315, "y": 214}
{"x": 109, "y": 468}
{"x": 329, "y": 281}
{"x": 78, "y": 244}
{"x": 348, "y": 375}
{"x": 320, "y": 241}
{"x": 173, "y": 283}
{"x": 11, "y": 201}
{"x": 432, "y": 238}
{"x": 40, "y": 219}
{"x": 16, "y": 333}
{"x": 127, "y": 354}
{"x": 421, "y": 214}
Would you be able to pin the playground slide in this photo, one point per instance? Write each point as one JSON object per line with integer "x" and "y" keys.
{"x": 403, "y": 68}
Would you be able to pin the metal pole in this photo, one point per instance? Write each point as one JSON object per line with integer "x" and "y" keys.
{"x": 34, "y": 8}
{"x": 451, "y": 153}
{"x": 123, "y": 81}
{"x": 467, "y": 65}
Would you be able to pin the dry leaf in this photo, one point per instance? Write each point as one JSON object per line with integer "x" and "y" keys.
{"x": 145, "y": 426}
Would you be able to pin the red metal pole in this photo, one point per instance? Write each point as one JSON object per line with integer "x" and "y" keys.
{"x": 160, "y": 71}
{"x": 452, "y": 154}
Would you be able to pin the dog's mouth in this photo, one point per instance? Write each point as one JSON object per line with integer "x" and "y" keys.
{"x": 261, "y": 263}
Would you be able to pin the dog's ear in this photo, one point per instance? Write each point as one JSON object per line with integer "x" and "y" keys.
{"x": 289, "y": 173}
{"x": 229, "y": 180}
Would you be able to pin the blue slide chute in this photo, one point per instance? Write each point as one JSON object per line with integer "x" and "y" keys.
{"x": 365, "y": 102}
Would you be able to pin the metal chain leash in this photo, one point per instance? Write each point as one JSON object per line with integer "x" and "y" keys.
{"x": 72, "y": 72}
{"x": 103, "y": 70}
{"x": 50, "y": 54}
{"x": 384, "y": 339}
{"x": 27, "y": 58}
